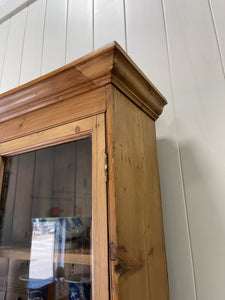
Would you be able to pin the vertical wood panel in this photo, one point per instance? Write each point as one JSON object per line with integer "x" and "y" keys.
{"x": 9, "y": 205}
{"x": 3, "y": 34}
{"x": 32, "y": 52}
{"x": 146, "y": 41}
{"x": 55, "y": 35}
{"x": 63, "y": 184}
{"x": 100, "y": 286}
{"x": 43, "y": 177}
{"x": 147, "y": 45}
{"x": 140, "y": 267}
{"x": 9, "y": 7}
{"x": 16, "y": 269}
{"x": 4, "y": 262}
{"x": 21, "y": 225}
{"x": 79, "y": 30}
{"x": 83, "y": 177}
{"x": 218, "y": 10}
{"x": 199, "y": 94}
{"x": 12, "y": 63}
{"x": 109, "y": 22}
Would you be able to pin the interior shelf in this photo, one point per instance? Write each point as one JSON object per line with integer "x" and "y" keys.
{"x": 70, "y": 256}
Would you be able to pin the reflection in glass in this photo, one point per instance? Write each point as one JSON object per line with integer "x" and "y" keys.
{"x": 45, "y": 233}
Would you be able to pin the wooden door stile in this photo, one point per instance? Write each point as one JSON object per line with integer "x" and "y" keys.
{"x": 112, "y": 221}
{"x": 99, "y": 213}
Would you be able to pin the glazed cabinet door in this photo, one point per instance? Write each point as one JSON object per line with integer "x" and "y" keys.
{"x": 53, "y": 220}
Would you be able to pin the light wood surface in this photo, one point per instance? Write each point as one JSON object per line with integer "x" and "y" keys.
{"x": 78, "y": 107}
{"x": 48, "y": 137}
{"x": 99, "y": 213}
{"x": 137, "y": 250}
{"x": 24, "y": 254}
{"x": 95, "y": 127}
{"x": 146, "y": 33}
{"x": 1, "y": 172}
{"x": 133, "y": 210}
{"x": 154, "y": 62}
{"x": 108, "y": 64}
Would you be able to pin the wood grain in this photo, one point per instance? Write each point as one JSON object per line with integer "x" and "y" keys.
{"x": 108, "y": 64}
{"x": 55, "y": 109}
{"x": 21, "y": 223}
{"x": 83, "y": 183}
{"x": 100, "y": 274}
{"x": 137, "y": 255}
{"x": 63, "y": 176}
{"x": 95, "y": 127}
{"x": 24, "y": 254}
{"x": 1, "y": 172}
{"x": 73, "y": 108}
{"x": 6, "y": 228}
{"x": 42, "y": 189}
{"x": 53, "y": 136}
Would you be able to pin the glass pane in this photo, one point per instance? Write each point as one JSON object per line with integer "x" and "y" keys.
{"x": 45, "y": 233}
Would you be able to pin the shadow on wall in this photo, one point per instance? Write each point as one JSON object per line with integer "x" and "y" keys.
{"x": 203, "y": 178}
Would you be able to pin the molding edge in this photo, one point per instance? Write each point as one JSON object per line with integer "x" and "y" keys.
{"x": 109, "y": 64}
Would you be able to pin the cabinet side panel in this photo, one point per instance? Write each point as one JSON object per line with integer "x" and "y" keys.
{"x": 1, "y": 172}
{"x": 137, "y": 259}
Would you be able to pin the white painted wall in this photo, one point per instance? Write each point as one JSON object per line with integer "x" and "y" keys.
{"x": 180, "y": 45}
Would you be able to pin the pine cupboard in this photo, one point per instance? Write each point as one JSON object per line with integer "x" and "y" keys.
{"x": 80, "y": 197}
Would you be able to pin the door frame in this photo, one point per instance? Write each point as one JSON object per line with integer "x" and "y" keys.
{"x": 95, "y": 127}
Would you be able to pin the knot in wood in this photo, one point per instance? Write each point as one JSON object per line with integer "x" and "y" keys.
{"x": 77, "y": 129}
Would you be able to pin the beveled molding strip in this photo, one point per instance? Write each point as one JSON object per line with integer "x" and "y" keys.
{"x": 109, "y": 64}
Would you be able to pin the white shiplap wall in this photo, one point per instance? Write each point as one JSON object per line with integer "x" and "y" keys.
{"x": 180, "y": 45}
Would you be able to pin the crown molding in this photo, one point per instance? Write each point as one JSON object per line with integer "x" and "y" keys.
{"x": 109, "y": 64}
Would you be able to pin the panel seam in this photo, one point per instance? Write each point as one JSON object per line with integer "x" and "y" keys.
{"x": 125, "y": 24}
{"x": 22, "y": 51}
{"x": 4, "y": 55}
{"x": 67, "y": 14}
{"x": 93, "y": 25}
{"x": 16, "y": 11}
{"x": 178, "y": 147}
{"x": 43, "y": 37}
{"x": 217, "y": 37}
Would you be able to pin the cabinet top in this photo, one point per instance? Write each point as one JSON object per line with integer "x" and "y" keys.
{"x": 107, "y": 65}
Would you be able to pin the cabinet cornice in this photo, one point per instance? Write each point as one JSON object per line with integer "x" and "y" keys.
{"x": 109, "y": 64}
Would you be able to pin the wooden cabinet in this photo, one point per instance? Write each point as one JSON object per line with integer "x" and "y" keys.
{"x": 80, "y": 194}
